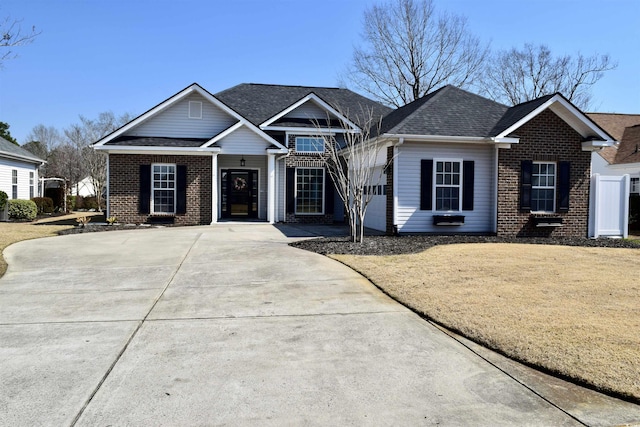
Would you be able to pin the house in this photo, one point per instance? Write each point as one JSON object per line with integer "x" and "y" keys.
{"x": 455, "y": 162}
{"x": 84, "y": 188}
{"x": 18, "y": 171}
{"x": 622, "y": 158}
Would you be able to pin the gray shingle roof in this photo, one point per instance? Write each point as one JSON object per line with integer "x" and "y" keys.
{"x": 155, "y": 141}
{"x": 518, "y": 112}
{"x": 260, "y": 102}
{"x": 9, "y": 149}
{"x": 448, "y": 111}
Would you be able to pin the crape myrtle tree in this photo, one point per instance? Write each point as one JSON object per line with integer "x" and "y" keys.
{"x": 519, "y": 75}
{"x": 409, "y": 50}
{"x": 12, "y": 36}
{"x": 356, "y": 162}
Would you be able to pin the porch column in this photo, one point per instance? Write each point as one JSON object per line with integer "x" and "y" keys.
{"x": 271, "y": 188}
{"x": 214, "y": 188}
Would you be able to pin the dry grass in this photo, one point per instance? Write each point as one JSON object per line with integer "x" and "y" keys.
{"x": 572, "y": 310}
{"x": 12, "y": 232}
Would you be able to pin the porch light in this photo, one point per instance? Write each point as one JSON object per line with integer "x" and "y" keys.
{"x": 242, "y": 161}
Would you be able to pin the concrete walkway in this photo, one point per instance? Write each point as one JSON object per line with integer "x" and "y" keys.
{"x": 227, "y": 325}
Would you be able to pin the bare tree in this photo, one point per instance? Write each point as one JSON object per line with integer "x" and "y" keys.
{"x": 409, "y": 51}
{"x": 357, "y": 164}
{"x": 515, "y": 76}
{"x": 12, "y": 36}
{"x": 41, "y": 140}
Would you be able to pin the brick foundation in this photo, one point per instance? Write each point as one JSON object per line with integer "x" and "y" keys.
{"x": 544, "y": 138}
{"x": 124, "y": 187}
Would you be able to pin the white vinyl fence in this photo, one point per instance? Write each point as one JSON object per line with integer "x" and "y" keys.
{"x": 609, "y": 205}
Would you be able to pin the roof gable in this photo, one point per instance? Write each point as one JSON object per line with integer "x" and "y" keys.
{"x": 448, "y": 111}
{"x": 261, "y": 102}
{"x": 10, "y": 150}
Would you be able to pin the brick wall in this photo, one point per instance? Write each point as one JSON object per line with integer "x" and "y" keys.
{"x": 307, "y": 160}
{"x": 124, "y": 187}
{"x": 544, "y": 138}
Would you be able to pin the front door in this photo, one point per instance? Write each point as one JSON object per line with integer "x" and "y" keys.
{"x": 239, "y": 193}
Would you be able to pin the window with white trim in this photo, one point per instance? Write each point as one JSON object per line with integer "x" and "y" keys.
{"x": 195, "y": 109}
{"x": 163, "y": 188}
{"x": 543, "y": 187}
{"x": 635, "y": 186}
{"x": 306, "y": 144}
{"x": 447, "y": 185}
{"x": 31, "y": 185}
{"x": 309, "y": 191}
{"x": 14, "y": 184}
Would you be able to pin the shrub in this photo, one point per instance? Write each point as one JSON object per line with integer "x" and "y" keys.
{"x": 22, "y": 209}
{"x": 71, "y": 203}
{"x": 3, "y": 199}
{"x": 90, "y": 203}
{"x": 44, "y": 204}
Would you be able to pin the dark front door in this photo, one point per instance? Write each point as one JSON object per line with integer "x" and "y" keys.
{"x": 239, "y": 193}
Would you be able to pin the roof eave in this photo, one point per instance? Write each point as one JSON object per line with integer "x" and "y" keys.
{"x": 447, "y": 138}
{"x": 26, "y": 159}
{"x": 132, "y": 149}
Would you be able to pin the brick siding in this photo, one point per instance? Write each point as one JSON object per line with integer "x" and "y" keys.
{"x": 124, "y": 187}
{"x": 544, "y": 138}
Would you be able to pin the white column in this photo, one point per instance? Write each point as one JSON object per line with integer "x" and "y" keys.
{"x": 271, "y": 188}
{"x": 214, "y": 188}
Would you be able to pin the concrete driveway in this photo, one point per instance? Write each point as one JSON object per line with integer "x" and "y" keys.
{"x": 227, "y": 325}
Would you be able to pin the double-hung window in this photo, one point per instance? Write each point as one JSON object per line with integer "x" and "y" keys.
{"x": 543, "y": 187}
{"x": 447, "y": 185}
{"x": 31, "y": 185}
{"x": 14, "y": 183}
{"x": 309, "y": 191}
{"x": 305, "y": 144}
{"x": 163, "y": 188}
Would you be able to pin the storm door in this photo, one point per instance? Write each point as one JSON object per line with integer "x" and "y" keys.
{"x": 239, "y": 193}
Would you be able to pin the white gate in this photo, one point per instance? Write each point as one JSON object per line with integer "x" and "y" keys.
{"x": 609, "y": 206}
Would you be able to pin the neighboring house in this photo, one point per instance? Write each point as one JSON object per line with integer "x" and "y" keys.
{"x": 18, "y": 171}
{"x": 460, "y": 163}
{"x": 623, "y": 158}
{"x": 84, "y": 188}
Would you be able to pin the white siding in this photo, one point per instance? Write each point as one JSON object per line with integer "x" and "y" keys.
{"x": 376, "y": 216}
{"x": 410, "y": 219}
{"x": 308, "y": 110}
{"x": 174, "y": 122}
{"x": 243, "y": 141}
{"x": 6, "y": 166}
{"x": 280, "y": 193}
{"x": 251, "y": 162}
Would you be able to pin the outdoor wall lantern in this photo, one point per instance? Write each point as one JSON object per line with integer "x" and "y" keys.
{"x": 242, "y": 161}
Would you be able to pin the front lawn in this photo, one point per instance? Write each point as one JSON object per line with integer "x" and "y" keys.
{"x": 12, "y": 232}
{"x": 574, "y": 311}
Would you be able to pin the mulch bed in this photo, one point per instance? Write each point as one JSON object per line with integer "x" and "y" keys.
{"x": 93, "y": 228}
{"x": 396, "y": 245}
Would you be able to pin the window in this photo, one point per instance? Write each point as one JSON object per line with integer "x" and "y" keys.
{"x": 31, "y": 185}
{"x": 309, "y": 191}
{"x": 543, "y": 187}
{"x": 447, "y": 185}
{"x": 635, "y": 185}
{"x": 195, "y": 109}
{"x": 163, "y": 189}
{"x": 14, "y": 184}
{"x": 309, "y": 145}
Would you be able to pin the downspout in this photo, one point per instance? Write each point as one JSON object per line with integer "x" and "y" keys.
{"x": 396, "y": 157}
{"x": 496, "y": 176}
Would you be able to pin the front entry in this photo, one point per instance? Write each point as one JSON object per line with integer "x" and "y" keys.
{"x": 239, "y": 193}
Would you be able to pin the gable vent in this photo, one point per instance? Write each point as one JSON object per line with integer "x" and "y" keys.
{"x": 195, "y": 109}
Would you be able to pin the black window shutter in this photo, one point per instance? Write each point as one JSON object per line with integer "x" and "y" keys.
{"x": 525, "y": 185}
{"x": 181, "y": 189}
{"x": 564, "y": 185}
{"x": 328, "y": 193}
{"x": 467, "y": 185}
{"x": 426, "y": 185}
{"x": 144, "y": 200}
{"x": 291, "y": 188}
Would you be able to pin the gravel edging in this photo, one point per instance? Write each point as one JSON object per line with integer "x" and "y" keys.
{"x": 398, "y": 245}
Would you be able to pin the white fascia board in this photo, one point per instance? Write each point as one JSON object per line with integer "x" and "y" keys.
{"x": 277, "y": 151}
{"x": 222, "y": 134}
{"x": 567, "y": 112}
{"x": 309, "y": 131}
{"x": 315, "y": 98}
{"x": 439, "y": 138}
{"x": 25, "y": 159}
{"x": 596, "y": 145}
{"x": 188, "y": 151}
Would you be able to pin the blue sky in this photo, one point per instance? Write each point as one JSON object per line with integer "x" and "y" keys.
{"x": 128, "y": 55}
